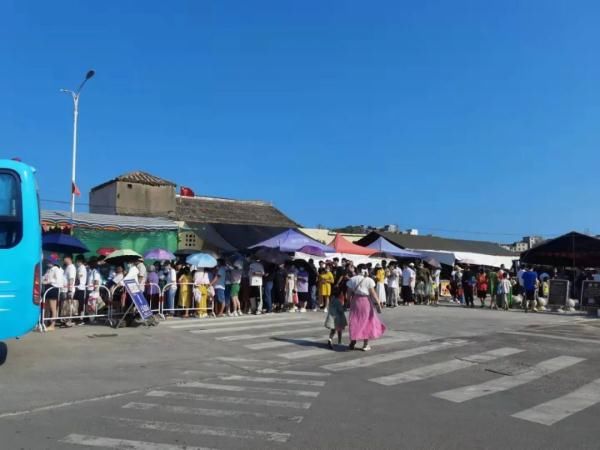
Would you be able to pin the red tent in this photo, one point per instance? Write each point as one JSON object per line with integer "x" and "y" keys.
{"x": 343, "y": 245}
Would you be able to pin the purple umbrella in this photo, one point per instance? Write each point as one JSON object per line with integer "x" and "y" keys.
{"x": 159, "y": 254}
{"x": 382, "y": 245}
{"x": 294, "y": 241}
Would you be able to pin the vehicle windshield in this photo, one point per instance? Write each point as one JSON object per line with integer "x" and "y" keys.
{"x": 11, "y": 226}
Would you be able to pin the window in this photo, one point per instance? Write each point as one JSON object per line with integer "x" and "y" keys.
{"x": 11, "y": 221}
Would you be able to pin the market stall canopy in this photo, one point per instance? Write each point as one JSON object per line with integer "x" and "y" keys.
{"x": 382, "y": 245}
{"x": 294, "y": 241}
{"x": 569, "y": 250}
{"x": 62, "y": 243}
{"x": 343, "y": 245}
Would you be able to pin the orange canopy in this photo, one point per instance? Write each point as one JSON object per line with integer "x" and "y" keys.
{"x": 343, "y": 245}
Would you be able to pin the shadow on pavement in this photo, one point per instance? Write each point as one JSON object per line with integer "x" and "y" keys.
{"x": 3, "y": 352}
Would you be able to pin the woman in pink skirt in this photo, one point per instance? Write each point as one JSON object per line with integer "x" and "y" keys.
{"x": 364, "y": 323}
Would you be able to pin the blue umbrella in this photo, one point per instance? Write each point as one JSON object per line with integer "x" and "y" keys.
{"x": 63, "y": 243}
{"x": 203, "y": 260}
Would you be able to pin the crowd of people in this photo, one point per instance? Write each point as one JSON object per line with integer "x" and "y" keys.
{"x": 77, "y": 290}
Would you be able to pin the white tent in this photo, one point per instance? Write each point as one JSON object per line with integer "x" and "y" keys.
{"x": 479, "y": 259}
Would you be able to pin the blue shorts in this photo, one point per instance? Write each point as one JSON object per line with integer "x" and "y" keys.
{"x": 221, "y": 298}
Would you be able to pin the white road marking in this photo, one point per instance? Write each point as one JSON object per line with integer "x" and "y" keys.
{"x": 67, "y": 404}
{"x": 207, "y": 323}
{"x": 171, "y": 427}
{"x": 207, "y": 412}
{"x": 251, "y": 389}
{"x": 276, "y": 344}
{"x": 506, "y": 382}
{"x": 299, "y": 354}
{"x": 247, "y": 337}
{"x": 243, "y": 328}
{"x": 562, "y": 407}
{"x": 123, "y": 444}
{"x": 442, "y": 368}
{"x": 294, "y": 372}
{"x": 372, "y": 360}
{"x": 272, "y": 380}
{"x": 552, "y": 336}
{"x": 231, "y": 400}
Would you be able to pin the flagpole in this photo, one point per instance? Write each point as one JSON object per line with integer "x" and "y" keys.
{"x": 75, "y": 96}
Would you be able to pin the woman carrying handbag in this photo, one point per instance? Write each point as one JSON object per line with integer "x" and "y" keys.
{"x": 364, "y": 307}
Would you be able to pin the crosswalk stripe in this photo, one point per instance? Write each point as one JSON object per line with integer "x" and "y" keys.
{"x": 294, "y": 372}
{"x": 276, "y": 344}
{"x": 299, "y": 354}
{"x": 231, "y": 400}
{"x": 207, "y": 323}
{"x": 219, "y": 320}
{"x": 245, "y": 337}
{"x": 243, "y": 328}
{"x": 237, "y": 433}
{"x": 368, "y": 361}
{"x": 251, "y": 389}
{"x": 445, "y": 367}
{"x": 207, "y": 412}
{"x": 272, "y": 380}
{"x": 123, "y": 444}
{"x": 506, "y": 382}
{"x": 562, "y": 407}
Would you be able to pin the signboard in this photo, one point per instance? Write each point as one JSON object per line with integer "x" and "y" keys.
{"x": 559, "y": 293}
{"x": 138, "y": 299}
{"x": 590, "y": 294}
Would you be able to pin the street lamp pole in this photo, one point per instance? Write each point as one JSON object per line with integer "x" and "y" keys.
{"x": 75, "y": 96}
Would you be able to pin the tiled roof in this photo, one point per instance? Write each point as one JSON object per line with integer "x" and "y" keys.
{"x": 237, "y": 212}
{"x": 138, "y": 177}
{"x": 107, "y": 221}
{"x": 418, "y": 242}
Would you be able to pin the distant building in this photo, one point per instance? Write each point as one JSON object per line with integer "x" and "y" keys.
{"x": 204, "y": 222}
{"x": 134, "y": 194}
{"x": 528, "y": 242}
{"x": 391, "y": 228}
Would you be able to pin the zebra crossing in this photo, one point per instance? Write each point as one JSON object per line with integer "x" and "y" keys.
{"x": 210, "y": 410}
{"x": 398, "y": 350}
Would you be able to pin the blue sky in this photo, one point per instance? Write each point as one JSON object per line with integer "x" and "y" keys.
{"x": 462, "y": 118}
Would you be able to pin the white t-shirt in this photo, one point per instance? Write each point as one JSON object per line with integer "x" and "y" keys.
{"x": 394, "y": 278}
{"x": 361, "y": 285}
{"x": 118, "y": 278}
{"x": 81, "y": 278}
{"x": 201, "y": 277}
{"x": 520, "y": 277}
{"x": 70, "y": 275}
{"x": 143, "y": 273}
{"x": 256, "y": 280}
{"x": 408, "y": 276}
{"x": 56, "y": 277}
{"x": 436, "y": 276}
{"x": 132, "y": 274}
{"x": 94, "y": 281}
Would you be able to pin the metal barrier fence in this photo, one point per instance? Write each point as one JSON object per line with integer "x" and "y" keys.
{"x": 173, "y": 293}
{"x": 70, "y": 309}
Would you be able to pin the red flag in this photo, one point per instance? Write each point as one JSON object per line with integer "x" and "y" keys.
{"x": 186, "y": 192}
{"x": 75, "y": 189}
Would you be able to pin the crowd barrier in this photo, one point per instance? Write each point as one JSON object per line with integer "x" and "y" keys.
{"x": 173, "y": 292}
{"x": 95, "y": 306}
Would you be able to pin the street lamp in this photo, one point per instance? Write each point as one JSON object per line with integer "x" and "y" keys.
{"x": 75, "y": 95}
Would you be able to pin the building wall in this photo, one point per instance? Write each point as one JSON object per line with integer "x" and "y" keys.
{"x": 133, "y": 199}
{"x": 103, "y": 200}
{"x": 142, "y": 200}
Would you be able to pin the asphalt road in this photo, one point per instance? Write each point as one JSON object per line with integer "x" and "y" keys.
{"x": 441, "y": 378}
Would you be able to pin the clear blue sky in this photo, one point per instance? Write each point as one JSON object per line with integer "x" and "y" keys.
{"x": 453, "y": 117}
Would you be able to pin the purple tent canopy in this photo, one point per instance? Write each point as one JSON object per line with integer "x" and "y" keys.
{"x": 294, "y": 241}
{"x": 382, "y": 245}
